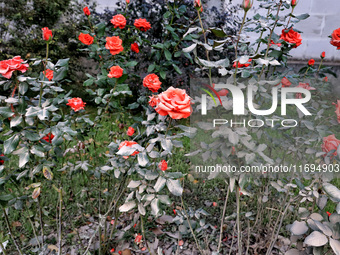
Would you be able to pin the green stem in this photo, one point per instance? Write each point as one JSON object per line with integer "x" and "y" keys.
{"x": 239, "y": 234}
{"x": 41, "y": 221}
{"x": 237, "y": 42}
{"x": 60, "y": 219}
{"x": 44, "y": 73}
{"x": 205, "y": 41}
{"x": 320, "y": 64}
{"x": 270, "y": 37}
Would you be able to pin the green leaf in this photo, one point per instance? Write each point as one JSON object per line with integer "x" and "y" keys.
{"x": 31, "y": 135}
{"x": 62, "y": 62}
{"x": 11, "y": 144}
{"x": 60, "y": 74}
{"x": 88, "y": 82}
{"x": 218, "y": 32}
{"x": 167, "y": 54}
{"x": 177, "y": 69}
{"x": 151, "y": 68}
{"x": 127, "y": 206}
{"x": 16, "y": 121}
{"x": 174, "y": 187}
{"x": 302, "y": 16}
{"x": 24, "y": 156}
{"x": 162, "y": 74}
{"x": 131, "y": 63}
{"x": 6, "y": 112}
{"x": 158, "y": 46}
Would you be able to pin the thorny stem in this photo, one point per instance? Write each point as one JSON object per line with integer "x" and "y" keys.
{"x": 192, "y": 231}
{"x": 10, "y": 231}
{"x": 270, "y": 37}
{"x": 108, "y": 102}
{"x": 34, "y": 232}
{"x": 237, "y": 42}
{"x": 259, "y": 44}
{"x": 239, "y": 234}
{"x": 205, "y": 41}
{"x": 60, "y": 219}
{"x": 290, "y": 16}
{"x": 222, "y": 219}
{"x": 41, "y": 86}
{"x": 99, "y": 208}
{"x": 320, "y": 64}
{"x": 248, "y": 239}
{"x": 143, "y": 233}
{"x": 41, "y": 221}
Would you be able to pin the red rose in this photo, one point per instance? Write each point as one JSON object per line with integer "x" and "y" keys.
{"x": 142, "y": 25}
{"x": 128, "y": 144}
{"x": 127, "y": 1}
{"x": 130, "y": 131}
{"x": 163, "y": 165}
{"x": 304, "y": 86}
{"x": 323, "y": 54}
{"x": 86, "y": 11}
{"x": 242, "y": 65}
{"x": 335, "y": 41}
{"x": 76, "y": 104}
{"x": 138, "y": 239}
{"x": 7, "y": 67}
{"x": 293, "y": 3}
{"x": 47, "y": 34}
{"x": 48, "y": 138}
{"x": 198, "y": 5}
{"x": 86, "y": 39}
{"x": 329, "y": 214}
{"x": 114, "y": 44}
{"x": 330, "y": 143}
{"x": 115, "y": 72}
{"x": 311, "y": 62}
{"x": 2, "y": 161}
{"x": 175, "y": 103}
{"x": 152, "y": 82}
{"x": 134, "y": 47}
{"x": 153, "y": 101}
{"x": 223, "y": 92}
{"x": 118, "y": 21}
{"x": 325, "y": 79}
{"x": 292, "y": 37}
{"x": 337, "y": 109}
{"x": 48, "y": 74}
{"x": 285, "y": 82}
{"x": 112, "y": 250}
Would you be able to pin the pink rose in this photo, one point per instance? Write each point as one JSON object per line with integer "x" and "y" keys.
{"x": 304, "y": 86}
{"x": 175, "y": 103}
{"x": 330, "y": 143}
{"x": 337, "y": 109}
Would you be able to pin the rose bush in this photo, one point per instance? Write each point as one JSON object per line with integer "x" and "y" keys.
{"x": 128, "y": 182}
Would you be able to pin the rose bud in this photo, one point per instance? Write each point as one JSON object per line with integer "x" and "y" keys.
{"x": 294, "y": 3}
{"x": 323, "y": 55}
{"x": 246, "y": 5}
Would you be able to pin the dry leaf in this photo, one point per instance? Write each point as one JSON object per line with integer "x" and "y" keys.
{"x": 36, "y": 193}
{"x": 47, "y": 173}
